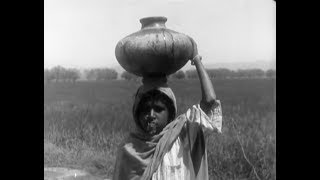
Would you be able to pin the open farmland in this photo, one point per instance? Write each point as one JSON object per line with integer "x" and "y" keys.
{"x": 86, "y": 121}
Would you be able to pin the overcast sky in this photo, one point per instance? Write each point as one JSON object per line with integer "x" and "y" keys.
{"x": 84, "y": 33}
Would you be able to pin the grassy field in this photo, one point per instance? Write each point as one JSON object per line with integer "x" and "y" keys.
{"x": 85, "y": 122}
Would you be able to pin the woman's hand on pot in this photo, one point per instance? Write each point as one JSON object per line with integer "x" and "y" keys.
{"x": 197, "y": 58}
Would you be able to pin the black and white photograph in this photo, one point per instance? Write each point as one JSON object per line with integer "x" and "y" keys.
{"x": 159, "y": 89}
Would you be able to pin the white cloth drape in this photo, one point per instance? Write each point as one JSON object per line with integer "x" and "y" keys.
{"x": 177, "y": 163}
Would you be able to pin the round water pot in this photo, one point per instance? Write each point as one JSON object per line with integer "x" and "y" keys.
{"x": 155, "y": 50}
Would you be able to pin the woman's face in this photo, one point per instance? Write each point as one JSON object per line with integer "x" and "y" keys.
{"x": 153, "y": 116}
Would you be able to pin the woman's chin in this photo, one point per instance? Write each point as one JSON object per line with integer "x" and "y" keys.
{"x": 152, "y": 131}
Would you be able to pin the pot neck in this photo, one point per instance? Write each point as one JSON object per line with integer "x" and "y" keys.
{"x": 153, "y": 22}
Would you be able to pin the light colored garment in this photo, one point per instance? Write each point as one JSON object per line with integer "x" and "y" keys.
{"x": 142, "y": 156}
{"x": 177, "y": 162}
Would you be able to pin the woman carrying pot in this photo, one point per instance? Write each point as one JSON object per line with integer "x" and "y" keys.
{"x": 166, "y": 146}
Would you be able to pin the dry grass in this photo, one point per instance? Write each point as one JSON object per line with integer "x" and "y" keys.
{"x": 85, "y": 122}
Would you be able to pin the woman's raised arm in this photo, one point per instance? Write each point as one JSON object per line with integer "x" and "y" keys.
{"x": 208, "y": 94}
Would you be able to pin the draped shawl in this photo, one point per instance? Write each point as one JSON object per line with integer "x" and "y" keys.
{"x": 141, "y": 154}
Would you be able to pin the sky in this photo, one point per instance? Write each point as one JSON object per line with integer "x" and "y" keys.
{"x": 84, "y": 33}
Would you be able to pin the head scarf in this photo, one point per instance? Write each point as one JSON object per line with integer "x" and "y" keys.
{"x": 149, "y": 85}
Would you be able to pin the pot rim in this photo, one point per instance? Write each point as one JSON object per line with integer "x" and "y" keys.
{"x": 147, "y": 21}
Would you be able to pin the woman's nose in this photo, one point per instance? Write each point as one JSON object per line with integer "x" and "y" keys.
{"x": 152, "y": 113}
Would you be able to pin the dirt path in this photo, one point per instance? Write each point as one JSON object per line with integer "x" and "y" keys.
{"x": 55, "y": 173}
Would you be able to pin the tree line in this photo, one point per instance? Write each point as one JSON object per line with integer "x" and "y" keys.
{"x": 61, "y": 74}
{"x": 224, "y": 73}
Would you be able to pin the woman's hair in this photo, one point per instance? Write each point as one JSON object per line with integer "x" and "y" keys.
{"x": 160, "y": 96}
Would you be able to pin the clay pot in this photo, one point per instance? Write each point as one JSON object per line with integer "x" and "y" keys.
{"x": 154, "y": 50}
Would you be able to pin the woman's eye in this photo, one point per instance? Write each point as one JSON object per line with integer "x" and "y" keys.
{"x": 158, "y": 109}
{"x": 144, "y": 109}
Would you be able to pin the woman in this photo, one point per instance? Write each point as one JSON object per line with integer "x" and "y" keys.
{"x": 166, "y": 147}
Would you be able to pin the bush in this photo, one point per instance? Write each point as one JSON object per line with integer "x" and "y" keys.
{"x": 129, "y": 76}
{"x": 191, "y": 74}
{"x": 101, "y": 74}
{"x": 271, "y": 73}
{"x": 179, "y": 75}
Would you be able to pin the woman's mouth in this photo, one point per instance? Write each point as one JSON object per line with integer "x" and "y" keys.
{"x": 151, "y": 127}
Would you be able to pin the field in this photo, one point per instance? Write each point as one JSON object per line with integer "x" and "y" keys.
{"x": 85, "y": 122}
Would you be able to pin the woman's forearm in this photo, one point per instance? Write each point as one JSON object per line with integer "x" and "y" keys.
{"x": 208, "y": 94}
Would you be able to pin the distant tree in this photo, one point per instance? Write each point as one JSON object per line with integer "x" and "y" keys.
{"x": 129, "y": 76}
{"x": 107, "y": 74}
{"x": 219, "y": 73}
{"x": 241, "y": 73}
{"x": 64, "y": 74}
{"x": 211, "y": 73}
{"x": 58, "y": 73}
{"x": 224, "y": 73}
{"x": 179, "y": 75}
{"x": 227, "y": 73}
{"x": 90, "y": 74}
{"x": 271, "y": 73}
{"x": 112, "y": 73}
{"x": 101, "y": 74}
{"x": 258, "y": 73}
{"x": 191, "y": 74}
{"x": 72, "y": 74}
{"x": 233, "y": 74}
{"x": 255, "y": 73}
{"x": 48, "y": 76}
{"x": 250, "y": 73}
